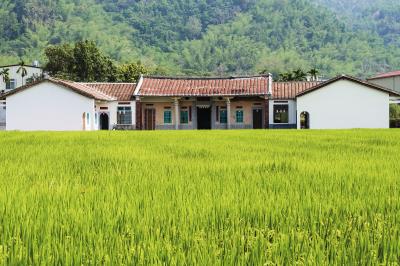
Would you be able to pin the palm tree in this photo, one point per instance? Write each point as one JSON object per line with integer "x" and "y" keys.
{"x": 5, "y": 74}
{"x": 299, "y": 75}
{"x": 314, "y": 74}
{"x": 22, "y": 70}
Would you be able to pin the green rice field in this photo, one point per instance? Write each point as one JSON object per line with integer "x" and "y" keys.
{"x": 200, "y": 198}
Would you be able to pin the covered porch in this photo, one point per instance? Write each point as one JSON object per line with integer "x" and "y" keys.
{"x": 197, "y": 113}
{"x": 203, "y": 103}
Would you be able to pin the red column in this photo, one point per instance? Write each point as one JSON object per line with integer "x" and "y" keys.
{"x": 139, "y": 120}
{"x": 266, "y": 113}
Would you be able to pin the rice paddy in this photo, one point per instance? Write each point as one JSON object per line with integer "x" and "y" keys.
{"x": 200, "y": 198}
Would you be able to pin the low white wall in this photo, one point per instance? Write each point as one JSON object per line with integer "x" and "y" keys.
{"x": 2, "y": 112}
{"x": 112, "y": 110}
{"x": 51, "y": 107}
{"x": 292, "y": 111}
{"x": 344, "y": 105}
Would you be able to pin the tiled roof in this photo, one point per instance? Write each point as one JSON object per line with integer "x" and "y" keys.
{"x": 289, "y": 90}
{"x": 352, "y": 79}
{"x": 76, "y": 87}
{"x": 387, "y": 75}
{"x": 120, "y": 91}
{"x": 175, "y": 86}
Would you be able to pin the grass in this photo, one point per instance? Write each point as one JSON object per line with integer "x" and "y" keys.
{"x": 205, "y": 198}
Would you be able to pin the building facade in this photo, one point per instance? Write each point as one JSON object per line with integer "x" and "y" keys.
{"x": 15, "y": 81}
{"x": 15, "y": 78}
{"x": 390, "y": 80}
{"x": 59, "y": 105}
{"x": 344, "y": 103}
{"x": 203, "y": 103}
{"x": 177, "y": 103}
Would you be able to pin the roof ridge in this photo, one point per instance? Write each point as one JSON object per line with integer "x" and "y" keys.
{"x": 205, "y": 78}
{"x": 67, "y": 82}
{"x": 390, "y": 74}
{"x": 351, "y": 78}
{"x": 96, "y": 90}
{"x": 129, "y": 83}
{"x": 20, "y": 65}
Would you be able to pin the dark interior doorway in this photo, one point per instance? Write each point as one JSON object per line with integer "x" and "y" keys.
{"x": 305, "y": 120}
{"x": 203, "y": 118}
{"x": 104, "y": 122}
{"x": 257, "y": 119}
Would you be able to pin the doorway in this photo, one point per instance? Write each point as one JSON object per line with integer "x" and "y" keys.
{"x": 149, "y": 119}
{"x": 304, "y": 120}
{"x": 104, "y": 122}
{"x": 203, "y": 118}
{"x": 257, "y": 119}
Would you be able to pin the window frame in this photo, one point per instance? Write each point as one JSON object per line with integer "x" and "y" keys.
{"x": 88, "y": 119}
{"x": 238, "y": 111}
{"x": 275, "y": 109}
{"x": 170, "y": 116}
{"x": 8, "y": 84}
{"x": 182, "y": 121}
{"x": 223, "y": 119}
{"x": 122, "y": 119}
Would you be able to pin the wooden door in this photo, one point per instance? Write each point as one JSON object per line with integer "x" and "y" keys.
{"x": 149, "y": 119}
{"x": 257, "y": 119}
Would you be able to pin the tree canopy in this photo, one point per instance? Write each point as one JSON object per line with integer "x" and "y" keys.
{"x": 202, "y": 37}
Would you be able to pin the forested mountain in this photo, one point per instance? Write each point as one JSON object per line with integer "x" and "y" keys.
{"x": 212, "y": 37}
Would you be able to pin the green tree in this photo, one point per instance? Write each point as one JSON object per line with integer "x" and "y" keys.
{"x": 22, "y": 71}
{"x": 82, "y": 62}
{"x": 60, "y": 61}
{"x": 394, "y": 115}
{"x": 131, "y": 72}
{"x": 313, "y": 74}
{"x": 5, "y": 75}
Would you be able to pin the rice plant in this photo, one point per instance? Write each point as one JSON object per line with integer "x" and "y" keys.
{"x": 200, "y": 198}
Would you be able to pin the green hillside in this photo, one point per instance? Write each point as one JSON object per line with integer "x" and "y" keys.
{"x": 203, "y": 37}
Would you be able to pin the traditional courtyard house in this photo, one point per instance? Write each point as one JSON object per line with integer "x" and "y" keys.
{"x": 15, "y": 80}
{"x": 203, "y": 103}
{"x": 344, "y": 102}
{"x": 59, "y": 105}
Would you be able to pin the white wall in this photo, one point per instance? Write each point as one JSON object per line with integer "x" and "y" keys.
{"x": 48, "y": 106}
{"x": 345, "y": 104}
{"x": 2, "y": 115}
{"x": 292, "y": 110}
{"x": 113, "y": 109}
{"x": 17, "y": 76}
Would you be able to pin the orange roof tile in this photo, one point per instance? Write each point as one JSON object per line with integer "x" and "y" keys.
{"x": 119, "y": 91}
{"x": 289, "y": 90}
{"x": 74, "y": 86}
{"x": 387, "y": 75}
{"x": 175, "y": 86}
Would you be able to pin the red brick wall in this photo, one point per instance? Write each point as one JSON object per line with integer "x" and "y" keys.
{"x": 139, "y": 120}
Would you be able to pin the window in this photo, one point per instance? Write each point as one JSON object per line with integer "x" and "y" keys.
{"x": 124, "y": 115}
{"x": 87, "y": 118}
{"x": 95, "y": 119}
{"x": 167, "y": 116}
{"x": 223, "y": 116}
{"x": 239, "y": 116}
{"x": 11, "y": 84}
{"x": 184, "y": 117}
{"x": 281, "y": 114}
